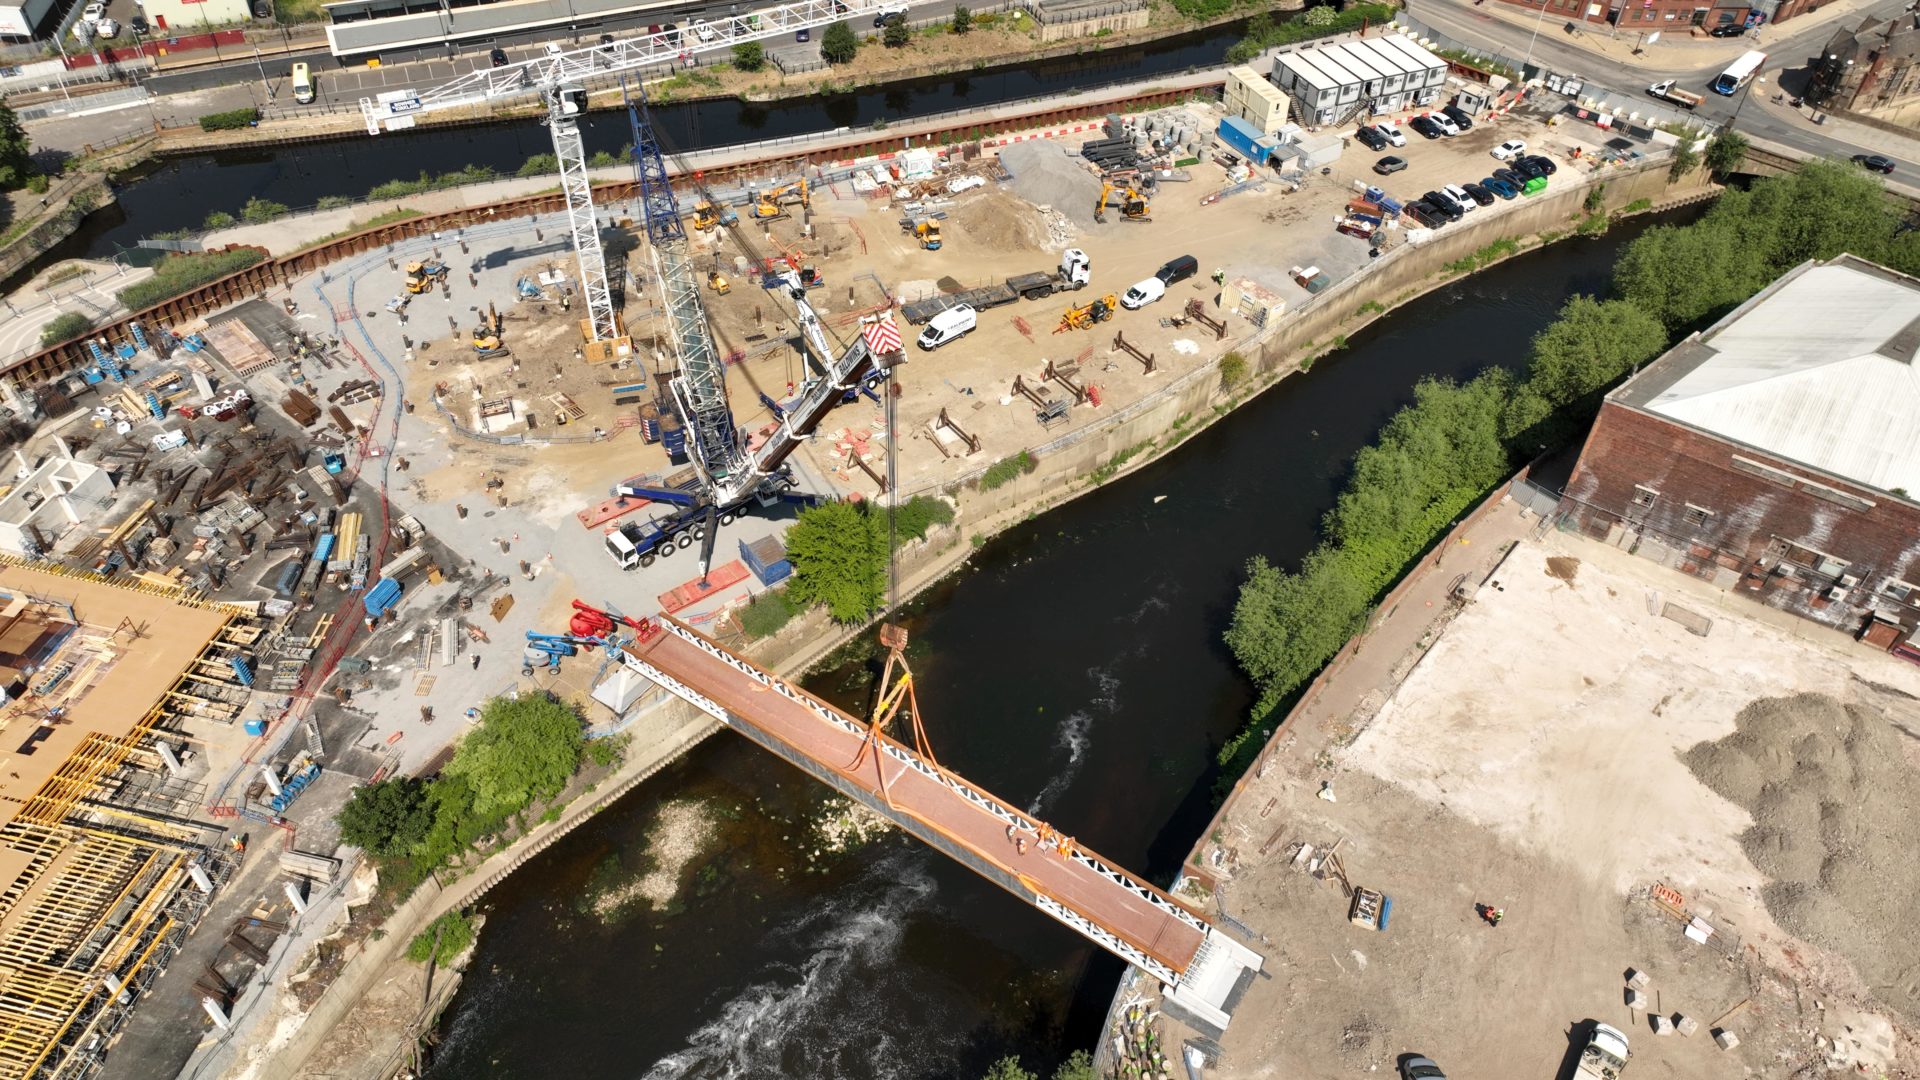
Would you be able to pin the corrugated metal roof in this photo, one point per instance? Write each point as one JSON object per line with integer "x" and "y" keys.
{"x": 1411, "y": 49}
{"x": 1361, "y": 62}
{"x": 1307, "y": 71}
{"x": 1819, "y": 369}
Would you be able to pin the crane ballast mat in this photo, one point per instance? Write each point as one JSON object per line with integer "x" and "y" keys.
{"x": 718, "y": 580}
{"x": 610, "y": 510}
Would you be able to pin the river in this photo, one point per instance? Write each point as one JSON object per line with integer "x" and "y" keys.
{"x": 1075, "y": 666}
{"x": 182, "y": 191}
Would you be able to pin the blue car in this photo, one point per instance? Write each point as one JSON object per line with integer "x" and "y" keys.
{"x": 1500, "y": 187}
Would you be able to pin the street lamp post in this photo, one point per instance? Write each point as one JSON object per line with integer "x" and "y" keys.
{"x": 262, "y": 65}
{"x": 1537, "y": 20}
{"x": 1742, "y": 103}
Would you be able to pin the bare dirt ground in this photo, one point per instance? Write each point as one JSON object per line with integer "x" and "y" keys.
{"x": 1559, "y": 752}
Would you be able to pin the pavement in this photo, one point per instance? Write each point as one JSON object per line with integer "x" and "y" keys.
{"x": 92, "y": 294}
{"x": 1606, "y": 58}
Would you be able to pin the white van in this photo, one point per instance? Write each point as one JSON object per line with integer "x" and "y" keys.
{"x": 303, "y": 84}
{"x": 949, "y": 325}
{"x": 1143, "y": 294}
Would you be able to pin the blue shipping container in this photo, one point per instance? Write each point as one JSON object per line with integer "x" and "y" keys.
{"x": 381, "y": 597}
{"x": 1245, "y": 139}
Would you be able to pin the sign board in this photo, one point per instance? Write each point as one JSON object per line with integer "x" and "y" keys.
{"x": 1653, "y": 37}
{"x": 398, "y": 102}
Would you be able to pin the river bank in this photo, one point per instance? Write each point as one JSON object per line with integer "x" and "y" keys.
{"x": 1148, "y": 430}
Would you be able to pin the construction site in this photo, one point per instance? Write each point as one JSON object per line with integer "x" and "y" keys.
{"x": 252, "y": 554}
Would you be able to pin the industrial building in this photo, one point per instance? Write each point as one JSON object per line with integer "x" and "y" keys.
{"x": 1775, "y": 454}
{"x": 102, "y": 870}
{"x": 1331, "y": 83}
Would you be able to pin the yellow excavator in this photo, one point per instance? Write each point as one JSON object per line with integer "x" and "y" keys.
{"x": 487, "y": 335}
{"x": 1085, "y": 316}
{"x": 773, "y": 204}
{"x": 1133, "y": 205}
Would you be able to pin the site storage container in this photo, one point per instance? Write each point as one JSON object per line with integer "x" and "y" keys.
{"x": 1244, "y": 139}
{"x": 767, "y": 558}
{"x": 382, "y": 597}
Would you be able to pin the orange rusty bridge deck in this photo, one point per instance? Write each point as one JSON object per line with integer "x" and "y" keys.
{"x": 1127, "y": 916}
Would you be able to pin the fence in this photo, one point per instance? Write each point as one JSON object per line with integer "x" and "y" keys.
{"x": 85, "y": 104}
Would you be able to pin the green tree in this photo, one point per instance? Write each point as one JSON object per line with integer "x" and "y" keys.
{"x": 386, "y": 818}
{"x": 962, "y": 20}
{"x": 539, "y": 165}
{"x": 64, "y": 328}
{"x": 1684, "y": 158}
{"x": 1008, "y": 1068}
{"x": 1725, "y": 153}
{"x": 1588, "y": 348}
{"x": 16, "y": 151}
{"x": 1285, "y": 626}
{"x": 260, "y": 210}
{"x": 524, "y": 748}
{"x": 838, "y": 45}
{"x": 839, "y": 559}
{"x": 896, "y": 34}
{"x": 749, "y": 56}
{"x": 219, "y": 219}
{"x": 1321, "y": 15}
{"x": 1078, "y": 1066}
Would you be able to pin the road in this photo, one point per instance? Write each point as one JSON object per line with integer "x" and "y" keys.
{"x": 91, "y": 294}
{"x": 1694, "y": 64}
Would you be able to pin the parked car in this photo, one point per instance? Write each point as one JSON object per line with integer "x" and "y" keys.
{"x": 1509, "y": 150}
{"x": 1444, "y": 123}
{"x": 1425, "y": 126}
{"x": 1732, "y": 29}
{"x": 1541, "y": 166}
{"x": 498, "y": 57}
{"x": 138, "y": 23}
{"x": 93, "y": 12}
{"x": 803, "y": 34}
{"x": 1500, "y": 187}
{"x": 1443, "y": 205}
{"x": 704, "y": 32}
{"x": 1461, "y": 199}
{"x": 106, "y": 29}
{"x": 1389, "y": 165}
{"x": 1423, "y": 215}
{"x": 1511, "y": 176}
{"x": 1143, "y": 293}
{"x": 1458, "y": 115}
{"x": 1371, "y": 138}
{"x": 1479, "y": 194}
{"x": 1417, "y": 1067}
{"x": 1874, "y": 162}
{"x": 1391, "y": 132}
{"x": 1178, "y": 269}
{"x": 888, "y": 14}
{"x": 553, "y": 48}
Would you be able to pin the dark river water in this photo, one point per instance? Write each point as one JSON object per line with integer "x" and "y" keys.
{"x": 180, "y": 193}
{"x": 1075, "y": 666}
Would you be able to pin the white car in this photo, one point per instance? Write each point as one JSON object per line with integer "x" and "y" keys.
{"x": 1444, "y": 123}
{"x": 107, "y": 28}
{"x": 1459, "y": 195}
{"x": 94, "y": 12}
{"x": 554, "y": 49}
{"x": 1146, "y": 292}
{"x": 1390, "y": 132}
{"x": 1509, "y": 150}
{"x": 703, "y": 31}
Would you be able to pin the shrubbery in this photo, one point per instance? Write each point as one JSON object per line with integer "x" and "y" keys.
{"x": 63, "y": 328}
{"x": 185, "y": 272}
{"x": 1263, "y": 33}
{"x": 231, "y": 120}
{"x": 839, "y": 554}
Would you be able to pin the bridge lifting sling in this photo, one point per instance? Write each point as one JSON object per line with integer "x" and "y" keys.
{"x": 562, "y": 80}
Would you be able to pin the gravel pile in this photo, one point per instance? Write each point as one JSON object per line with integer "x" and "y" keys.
{"x": 1045, "y": 174}
{"x": 1836, "y": 821}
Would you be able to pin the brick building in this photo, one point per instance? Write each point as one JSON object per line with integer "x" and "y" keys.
{"x": 1774, "y": 452}
{"x": 1875, "y": 66}
{"x": 1671, "y": 16}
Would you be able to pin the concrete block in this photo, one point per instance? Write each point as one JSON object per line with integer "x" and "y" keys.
{"x": 1724, "y": 1039}
{"x": 1687, "y": 1024}
{"x": 1660, "y": 1025}
{"x": 1638, "y": 979}
{"x": 1636, "y": 1000}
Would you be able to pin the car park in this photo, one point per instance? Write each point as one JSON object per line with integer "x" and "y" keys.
{"x": 1500, "y": 187}
{"x": 1143, "y": 293}
{"x": 1444, "y": 123}
{"x": 1458, "y": 115}
{"x": 1391, "y": 132}
{"x": 1874, "y": 162}
{"x": 1389, "y": 165}
{"x": 1509, "y": 150}
{"x": 1478, "y": 193}
{"x": 1370, "y": 138}
{"x": 1423, "y": 215}
{"x": 1443, "y": 205}
{"x": 1425, "y": 126}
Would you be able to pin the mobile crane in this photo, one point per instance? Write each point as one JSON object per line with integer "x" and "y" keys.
{"x": 727, "y": 480}
{"x": 561, "y": 79}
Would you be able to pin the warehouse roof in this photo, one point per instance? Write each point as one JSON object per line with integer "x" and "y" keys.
{"x": 1819, "y": 368}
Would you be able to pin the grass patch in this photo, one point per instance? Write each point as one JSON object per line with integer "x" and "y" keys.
{"x": 181, "y": 273}
{"x": 768, "y": 613}
{"x": 1486, "y": 256}
{"x": 231, "y": 120}
{"x": 1006, "y": 469}
{"x": 1637, "y": 206}
{"x": 1106, "y": 472}
{"x": 1371, "y": 307}
{"x": 1594, "y": 225}
{"x": 1263, "y": 33}
{"x": 456, "y": 933}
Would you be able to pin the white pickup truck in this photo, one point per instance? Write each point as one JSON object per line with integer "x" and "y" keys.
{"x": 1605, "y": 1055}
{"x": 1669, "y": 90}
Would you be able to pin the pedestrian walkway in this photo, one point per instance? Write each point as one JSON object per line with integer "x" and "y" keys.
{"x": 1677, "y": 47}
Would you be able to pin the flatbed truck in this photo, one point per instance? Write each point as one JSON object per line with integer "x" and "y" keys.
{"x": 1075, "y": 270}
{"x": 1669, "y": 90}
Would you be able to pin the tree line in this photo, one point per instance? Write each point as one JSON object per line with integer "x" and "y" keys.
{"x": 1458, "y": 441}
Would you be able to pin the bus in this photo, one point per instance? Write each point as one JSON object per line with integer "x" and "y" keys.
{"x": 1740, "y": 74}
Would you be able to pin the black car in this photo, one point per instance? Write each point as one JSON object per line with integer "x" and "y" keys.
{"x": 1480, "y": 195}
{"x": 1426, "y": 127}
{"x": 1372, "y": 139}
{"x": 138, "y": 22}
{"x": 1730, "y": 30}
{"x": 1874, "y": 162}
{"x": 1543, "y": 166}
{"x": 1443, "y": 205}
{"x": 1389, "y": 165}
{"x": 1423, "y": 215}
{"x": 1510, "y": 176}
{"x": 1459, "y": 117}
{"x": 499, "y": 57}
